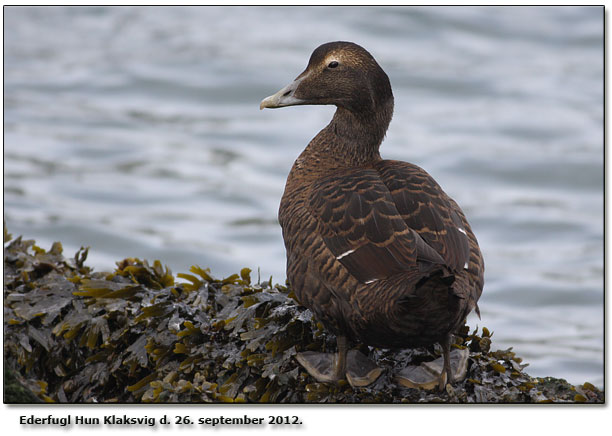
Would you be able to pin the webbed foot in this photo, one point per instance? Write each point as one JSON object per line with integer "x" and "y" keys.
{"x": 360, "y": 370}
{"x": 352, "y": 365}
{"x": 320, "y": 365}
{"x": 430, "y": 375}
{"x": 326, "y": 367}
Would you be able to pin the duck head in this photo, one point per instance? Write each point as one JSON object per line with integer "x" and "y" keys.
{"x": 341, "y": 74}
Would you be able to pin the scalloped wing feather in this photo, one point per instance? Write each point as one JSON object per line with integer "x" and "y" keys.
{"x": 361, "y": 225}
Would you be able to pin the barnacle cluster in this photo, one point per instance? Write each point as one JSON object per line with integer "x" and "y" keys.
{"x": 140, "y": 334}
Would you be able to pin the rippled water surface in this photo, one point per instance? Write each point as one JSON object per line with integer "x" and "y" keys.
{"x": 137, "y": 131}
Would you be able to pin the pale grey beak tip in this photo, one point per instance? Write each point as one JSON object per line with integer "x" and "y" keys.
{"x": 282, "y": 98}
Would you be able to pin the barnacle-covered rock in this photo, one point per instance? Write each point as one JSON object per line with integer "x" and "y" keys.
{"x": 140, "y": 334}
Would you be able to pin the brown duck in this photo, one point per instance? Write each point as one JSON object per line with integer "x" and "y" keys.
{"x": 375, "y": 248}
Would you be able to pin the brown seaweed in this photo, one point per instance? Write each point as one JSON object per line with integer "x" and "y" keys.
{"x": 140, "y": 334}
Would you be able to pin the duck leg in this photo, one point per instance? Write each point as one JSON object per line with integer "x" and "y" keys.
{"x": 340, "y": 361}
{"x": 446, "y": 376}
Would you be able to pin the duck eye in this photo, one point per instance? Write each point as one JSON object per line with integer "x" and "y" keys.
{"x": 333, "y": 64}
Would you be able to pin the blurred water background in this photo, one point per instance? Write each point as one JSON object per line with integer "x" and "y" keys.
{"x": 137, "y": 131}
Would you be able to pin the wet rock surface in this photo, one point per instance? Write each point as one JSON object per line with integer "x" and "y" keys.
{"x": 139, "y": 334}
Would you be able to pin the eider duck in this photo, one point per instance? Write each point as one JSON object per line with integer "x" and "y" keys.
{"x": 375, "y": 248}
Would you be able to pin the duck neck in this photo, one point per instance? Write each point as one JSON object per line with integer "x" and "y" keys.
{"x": 354, "y": 138}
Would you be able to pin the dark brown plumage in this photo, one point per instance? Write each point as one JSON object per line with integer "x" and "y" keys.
{"x": 375, "y": 248}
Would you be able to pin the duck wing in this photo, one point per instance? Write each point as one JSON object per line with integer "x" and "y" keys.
{"x": 361, "y": 225}
{"x": 428, "y": 210}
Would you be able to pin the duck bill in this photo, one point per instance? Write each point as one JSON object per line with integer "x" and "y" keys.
{"x": 284, "y": 97}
